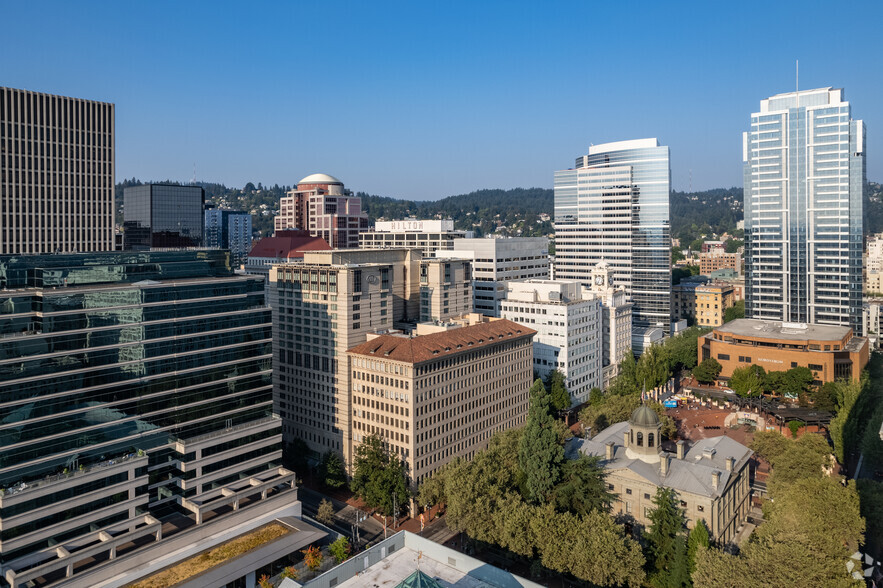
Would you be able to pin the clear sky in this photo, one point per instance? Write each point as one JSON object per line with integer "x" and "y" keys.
{"x": 426, "y": 99}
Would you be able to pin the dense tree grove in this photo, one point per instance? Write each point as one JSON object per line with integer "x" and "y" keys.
{"x": 812, "y": 524}
{"x": 496, "y": 498}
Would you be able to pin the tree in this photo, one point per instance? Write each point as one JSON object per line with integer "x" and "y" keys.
{"x": 379, "y": 476}
{"x": 667, "y": 553}
{"x": 683, "y": 348}
{"x": 312, "y": 557}
{"x": 698, "y": 538}
{"x": 559, "y": 397}
{"x": 769, "y": 444}
{"x": 707, "y": 371}
{"x": 540, "y": 455}
{"x": 653, "y": 367}
{"x": 732, "y": 245}
{"x": 332, "y": 472}
{"x": 595, "y": 395}
{"x": 696, "y": 245}
{"x": 734, "y": 312}
{"x": 794, "y": 426}
{"x": 824, "y": 397}
{"x": 583, "y": 487}
{"x": 748, "y": 380}
{"x": 325, "y": 512}
{"x": 676, "y": 254}
{"x": 613, "y": 409}
{"x": 340, "y": 549}
{"x": 432, "y": 490}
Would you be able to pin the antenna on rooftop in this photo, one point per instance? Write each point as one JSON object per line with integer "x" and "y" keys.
{"x": 797, "y": 80}
{"x": 193, "y": 180}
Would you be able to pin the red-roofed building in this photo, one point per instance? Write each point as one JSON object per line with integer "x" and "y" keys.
{"x": 283, "y": 247}
{"x": 435, "y": 396}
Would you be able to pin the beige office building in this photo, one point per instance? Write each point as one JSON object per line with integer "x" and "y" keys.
{"x": 443, "y": 392}
{"x": 323, "y": 306}
{"x": 56, "y": 173}
{"x": 445, "y": 289}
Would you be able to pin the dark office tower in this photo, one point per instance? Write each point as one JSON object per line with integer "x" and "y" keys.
{"x": 56, "y": 173}
{"x": 136, "y": 411}
{"x": 163, "y": 216}
{"x": 229, "y": 229}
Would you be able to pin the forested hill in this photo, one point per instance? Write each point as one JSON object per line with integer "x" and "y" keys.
{"x": 514, "y": 212}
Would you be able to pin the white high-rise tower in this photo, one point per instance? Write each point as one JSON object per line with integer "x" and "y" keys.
{"x": 804, "y": 166}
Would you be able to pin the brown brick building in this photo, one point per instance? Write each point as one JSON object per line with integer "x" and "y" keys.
{"x": 831, "y": 352}
{"x": 435, "y": 396}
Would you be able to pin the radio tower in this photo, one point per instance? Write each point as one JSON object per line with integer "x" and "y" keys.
{"x": 193, "y": 179}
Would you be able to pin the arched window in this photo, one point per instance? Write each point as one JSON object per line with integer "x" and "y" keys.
{"x": 631, "y": 437}
{"x": 640, "y": 439}
{"x": 649, "y": 439}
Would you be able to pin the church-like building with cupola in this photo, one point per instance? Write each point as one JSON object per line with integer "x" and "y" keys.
{"x": 711, "y": 477}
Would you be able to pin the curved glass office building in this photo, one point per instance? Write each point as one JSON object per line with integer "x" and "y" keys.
{"x": 614, "y": 207}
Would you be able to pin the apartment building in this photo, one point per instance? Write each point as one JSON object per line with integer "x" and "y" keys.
{"x": 445, "y": 289}
{"x": 498, "y": 261}
{"x": 231, "y": 230}
{"x": 830, "y": 352}
{"x": 715, "y": 260}
{"x": 427, "y": 235}
{"x": 135, "y": 386}
{"x": 321, "y": 205}
{"x": 56, "y": 173}
{"x": 443, "y": 392}
{"x": 568, "y": 321}
{"x": 322, "y": 306}
{"x": 702, "y": 304}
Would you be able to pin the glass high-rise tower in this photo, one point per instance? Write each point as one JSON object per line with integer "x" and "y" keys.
{"x": 804, "y": 166}
{"x": 613, "y": 207}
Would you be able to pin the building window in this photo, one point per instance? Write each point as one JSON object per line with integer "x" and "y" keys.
{"x": 744, "y": 359}
{"x": 816, "y": 367}
{"x": 723, "y": 356}
{"x": 646, "y": 496}
{"x": 649, "y": 439}
{"x": 628, "y": 491}
{"x": 700, "y": 508}
{"x": 794, "y": 364}
{"x": 640, "y": 439}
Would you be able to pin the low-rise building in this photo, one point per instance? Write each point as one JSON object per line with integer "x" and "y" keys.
{"x": 442, "y": 392}
{"x": 427, "y": 235}
{"x": 830, "y": 352}
{"x": 711, "y": 478}
{"x": 568, "y": 320}
{"x": 496, "y": 261}
{"x": 871, "y": 311}
{"x": 702, "y": 304}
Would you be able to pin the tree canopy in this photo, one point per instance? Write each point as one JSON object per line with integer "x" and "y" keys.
{"x": 379, "y": 476}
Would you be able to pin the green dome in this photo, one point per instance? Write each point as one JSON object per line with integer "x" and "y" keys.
{"x": 644, "y": 416}
{"x": 419, "y": 580}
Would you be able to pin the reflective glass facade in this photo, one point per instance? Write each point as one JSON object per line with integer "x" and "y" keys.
{"x": 163, "y": 216}
{"x": 108, "y": 356}
{"x": 804, "y": 176}
{"x": 614, "y": 207}
{"x": 229, "y": 229}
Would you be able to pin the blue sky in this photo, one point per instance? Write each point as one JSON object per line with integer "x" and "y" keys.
{"x": 427, "y": 99}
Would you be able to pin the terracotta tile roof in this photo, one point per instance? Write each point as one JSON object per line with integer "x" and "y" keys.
{"x": 442, "y": 344}
{"x": 288, "y": 245}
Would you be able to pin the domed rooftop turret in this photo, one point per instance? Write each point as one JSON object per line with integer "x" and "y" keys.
{"x": 644, "y": 416}
{"x": 320, "y": 179}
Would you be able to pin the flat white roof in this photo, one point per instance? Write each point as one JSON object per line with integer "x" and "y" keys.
{"x": 623, "y": 145}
